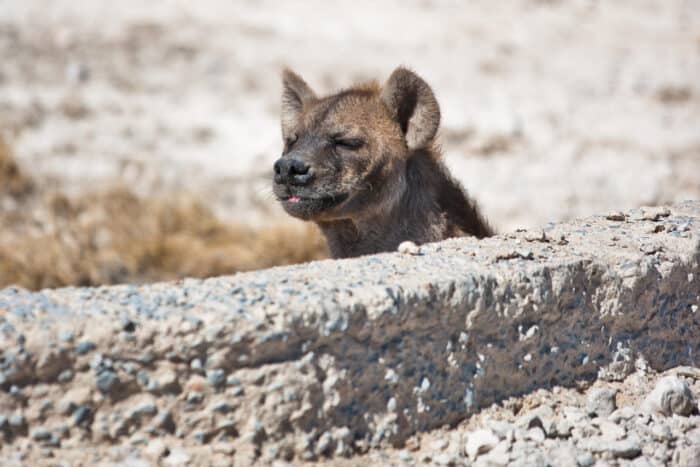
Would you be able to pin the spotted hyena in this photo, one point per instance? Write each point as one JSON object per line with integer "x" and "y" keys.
{"x": 363, "y": 164}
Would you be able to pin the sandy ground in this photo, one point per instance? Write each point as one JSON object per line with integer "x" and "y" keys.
{"x": 551, "y": 109}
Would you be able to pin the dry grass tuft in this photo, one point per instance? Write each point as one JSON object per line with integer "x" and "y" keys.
{"x": 12, "y": 180}
{"x": 49, "y": 240}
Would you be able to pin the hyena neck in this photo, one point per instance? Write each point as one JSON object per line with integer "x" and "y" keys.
{"x": 431, "y": 207}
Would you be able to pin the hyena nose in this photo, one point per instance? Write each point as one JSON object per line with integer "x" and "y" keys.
{"x": 292, "y": 171}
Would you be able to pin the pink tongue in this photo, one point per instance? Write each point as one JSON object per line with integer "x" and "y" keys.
{"x": 294, "y": 199}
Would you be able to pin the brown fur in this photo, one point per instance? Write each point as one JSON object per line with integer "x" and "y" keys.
{"x": 368, "y": 170}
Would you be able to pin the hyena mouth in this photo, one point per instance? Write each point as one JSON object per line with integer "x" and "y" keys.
{"x": 306, "y": 207}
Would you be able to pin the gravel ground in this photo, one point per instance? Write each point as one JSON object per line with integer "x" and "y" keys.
{"x": 335, "y": 359}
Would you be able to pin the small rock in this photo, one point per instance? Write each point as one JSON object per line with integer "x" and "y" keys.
{"x": 18, "y": 424}
{"x": 164, "y": 421}
{"x": 601, "y": 401}
{"x": 536, "y": 434}
{"x": 324, "y": 443}
{"x": 502, "y": 429}
{"x": 439, "y": 444}
{"x": 107, "y": 381}
{"x": 177, "y": 456}
{"x": 444, "y": 459}
{"x": 670, "y": 396}
{"x": 224, "y": 448}
{"x": 624, "y": 449}
{"x": 51, "y": 363}
{"x": 515, "y": 254}
{"x": 687, "y": 456}
{"x": 563, "y": 455}
{"x": 216, "y": 377}
{"x": 661, "y": 432}
{"x": 499, "y": 456}
{"x": 202, "y": 436}
{"x": 643, "y": 461}
{"x": 195, "y": 398}
{"x": 221, "y": 407}
{"x": 145, "y": 409}
{"x": 82, "y": 415}
{"x": 585, "y": 459}
{"x": 622, "y": 414}
{"x": 165, "y": 380}
{"x": 75, "y": 397}
{"x": 196, "y": 383}
{"x": 196, "y": 365}
{"x": 84, "y": 347}
{"x": 127, "y": 325}
{"x": 610, "y": 430}
{"x": 542, "y": 417}
{"x": 65, "y": 376}
{"x": 617, "y": 216}
{"x": 233, "y": 380}
{"x": 40, "y": 434}
{"x": 564, "y": 427}
{"x": 651, "y": 213}
{"x": 409, "y": 248}
{"x": 479, "y": 442}
{"x": 156, "y": 449}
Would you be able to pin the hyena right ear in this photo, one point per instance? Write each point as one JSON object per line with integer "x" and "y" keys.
{"x": 413, "y": 105}
{"x": 295, "y": 95}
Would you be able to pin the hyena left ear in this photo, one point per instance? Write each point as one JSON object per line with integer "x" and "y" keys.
{"x": 413, "y": 105}
{"x": 295, "y": 95}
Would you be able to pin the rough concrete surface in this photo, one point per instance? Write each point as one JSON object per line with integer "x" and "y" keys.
{"x": 335, "y": 358}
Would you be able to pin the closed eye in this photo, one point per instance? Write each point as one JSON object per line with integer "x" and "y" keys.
{"x": 351, "y": 144}
{"x": 290, "y": 140}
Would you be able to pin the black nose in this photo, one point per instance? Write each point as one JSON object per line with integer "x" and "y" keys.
{"x": 293, "y": 171}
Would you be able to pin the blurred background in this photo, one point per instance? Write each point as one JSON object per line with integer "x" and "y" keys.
{"x": 137, "y": 138}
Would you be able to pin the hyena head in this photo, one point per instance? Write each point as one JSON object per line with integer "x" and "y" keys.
{"x": 345, "y": 154}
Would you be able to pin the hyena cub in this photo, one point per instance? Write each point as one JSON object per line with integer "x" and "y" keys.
{"x": 363, "y": 165}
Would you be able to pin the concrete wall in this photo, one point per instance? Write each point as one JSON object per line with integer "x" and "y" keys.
{"x": 336, "y": 356}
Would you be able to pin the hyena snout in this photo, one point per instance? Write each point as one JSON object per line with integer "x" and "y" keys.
{"x": 292, "y": 171}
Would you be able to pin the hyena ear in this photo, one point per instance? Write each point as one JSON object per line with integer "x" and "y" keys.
{"x": 295, "y": 95}
{"x": 413, "y": 105}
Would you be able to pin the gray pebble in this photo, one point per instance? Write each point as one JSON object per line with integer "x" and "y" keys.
{"x": 127, "y": 325}
{"x": 65, "y": 376}
{"x": 625, "y": 449}
{"x": 147, "y": 409}
{"x": 217, "y": 377}
{"x": 84, "y": 347}
{"x": 479, "y": 442}
{"x": 687, "y": 456}
{"x": 222, "y": 407}
{"x": 164, "y": 420}
{"x": 670, "y": 396}
{"x": 196, "y": 365}
{"x": 17, "y": 421}
{"x": 107, "y": 381}
{"x": 82, "y": 415}
{"x": 195, "y": 398}
{"x": 40, "y": 434}
{"x": 232, "y": 380}
{"x": 601, "y": 401}
{"x": 585, "y": 459}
